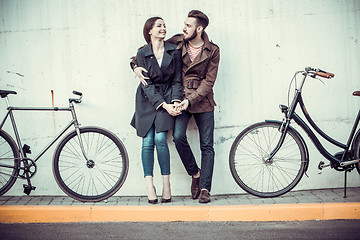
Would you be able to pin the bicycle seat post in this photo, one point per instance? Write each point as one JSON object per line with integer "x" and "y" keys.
{"x": 7, "y": 101}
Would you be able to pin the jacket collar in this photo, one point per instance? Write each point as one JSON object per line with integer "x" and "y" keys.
{"x": 203, "y": 55}
{"x": 207, "y": 43}
{"x": 167, "y": 58}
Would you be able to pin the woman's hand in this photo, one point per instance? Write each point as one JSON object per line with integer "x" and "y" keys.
{"x": 171, "y": 109}
{"x": 139, "y": 73}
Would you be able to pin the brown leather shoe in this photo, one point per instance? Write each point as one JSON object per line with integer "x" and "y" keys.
{"x": 195, "y": 187}
{"x": 204, "y": 196}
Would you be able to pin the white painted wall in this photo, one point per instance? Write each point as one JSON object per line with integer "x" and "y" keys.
{"x": 86, "y": 45}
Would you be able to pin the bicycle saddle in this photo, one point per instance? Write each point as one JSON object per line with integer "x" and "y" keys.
{"x": 4, "y": 93}
{"x": 356, "y": 93}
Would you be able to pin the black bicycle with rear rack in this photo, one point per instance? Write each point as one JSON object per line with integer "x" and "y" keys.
{"x": 90, "y": 164}
{"x": 269, "y": 158}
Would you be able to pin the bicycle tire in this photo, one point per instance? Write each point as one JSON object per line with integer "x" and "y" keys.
{"x": 9, "y": 155}
{"x": 357, "y": 153}
{"x": 81, "y": 181}
{"x": 253, "y": 174}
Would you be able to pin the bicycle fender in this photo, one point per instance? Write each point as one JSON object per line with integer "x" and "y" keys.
{"x": 355, "y": 141}
{"x": 302, "y": 141}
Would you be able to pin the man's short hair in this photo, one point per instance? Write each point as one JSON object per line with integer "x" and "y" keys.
{"x": 201, "y": 18}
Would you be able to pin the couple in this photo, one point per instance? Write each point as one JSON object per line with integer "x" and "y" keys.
{"x": 177, "y": 78}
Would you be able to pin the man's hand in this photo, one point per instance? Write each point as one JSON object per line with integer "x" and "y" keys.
{"x": 139, "y": 73}
{"x": 183, "y": 105}
{"x": 170, "y": 108}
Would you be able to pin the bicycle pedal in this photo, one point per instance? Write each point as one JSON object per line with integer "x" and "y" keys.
{"x": 26, "y": 149}
{"x": 28, "y": 189}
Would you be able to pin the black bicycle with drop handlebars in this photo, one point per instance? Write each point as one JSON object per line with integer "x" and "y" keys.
{"x": 268, "y": 159}
{"x": 90, "y": 164}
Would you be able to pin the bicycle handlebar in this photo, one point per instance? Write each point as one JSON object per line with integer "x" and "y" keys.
{"x": 324, "y": 74}
{"x": 76, "y": 100}
{"x": 77, "y": 93}
{"x": 320, "y": 73}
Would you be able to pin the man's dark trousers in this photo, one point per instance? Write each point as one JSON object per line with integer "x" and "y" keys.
{"x": 205, "y": 124}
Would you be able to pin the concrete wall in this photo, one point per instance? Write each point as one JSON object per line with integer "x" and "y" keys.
{"x": 86, "y": 45}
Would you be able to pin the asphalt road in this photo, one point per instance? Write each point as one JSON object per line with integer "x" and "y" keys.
{"x": 334, "y": 229}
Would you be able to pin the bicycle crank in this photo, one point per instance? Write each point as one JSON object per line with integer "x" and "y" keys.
{"x": 343, "y": 164}
{"x": 27, "y": 168}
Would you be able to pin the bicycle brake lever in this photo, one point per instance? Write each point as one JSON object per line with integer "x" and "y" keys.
{"x": 320, "y": 80}
{"x": 313, "y": 75}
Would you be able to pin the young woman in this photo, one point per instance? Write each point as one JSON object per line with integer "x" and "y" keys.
{"x": 156, "y": 101}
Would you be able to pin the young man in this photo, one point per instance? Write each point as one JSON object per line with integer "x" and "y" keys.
{"x": 200, "y": 66}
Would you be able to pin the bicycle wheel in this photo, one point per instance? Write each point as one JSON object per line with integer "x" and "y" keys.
{"x": 9, "y": 156}
{"x": 96, "y": 179}
{"x": 357, "y": 154}
{"x": 267, "y": 179}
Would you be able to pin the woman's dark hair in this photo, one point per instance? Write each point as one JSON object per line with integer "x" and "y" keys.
{"x": 149, "y": 24}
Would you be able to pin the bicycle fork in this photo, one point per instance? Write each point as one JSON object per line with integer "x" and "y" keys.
{"x": 286, "y": 122}
{"x": 90, "y": 163}
{"x": 283, "y": 129}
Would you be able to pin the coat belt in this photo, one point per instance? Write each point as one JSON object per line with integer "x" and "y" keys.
{"x": 193, "y": 83}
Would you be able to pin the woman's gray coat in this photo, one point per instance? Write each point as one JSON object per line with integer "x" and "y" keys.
{"x": 165, "y": 84}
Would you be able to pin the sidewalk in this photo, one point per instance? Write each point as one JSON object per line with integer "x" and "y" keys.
{"x": 296, "y": 205}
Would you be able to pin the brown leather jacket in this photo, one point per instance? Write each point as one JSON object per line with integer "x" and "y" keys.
{"x": 199, "y": 76}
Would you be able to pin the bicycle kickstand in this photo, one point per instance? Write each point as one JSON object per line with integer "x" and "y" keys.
{"x": 346, "y": 171}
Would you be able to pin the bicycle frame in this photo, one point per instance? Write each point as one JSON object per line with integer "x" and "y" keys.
{"x": 292, "y": 115}
{"x": 74, "y": 122}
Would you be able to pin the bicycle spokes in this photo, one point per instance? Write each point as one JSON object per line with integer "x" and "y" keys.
{"x": 95, "y": 178}
{"x": 259, "y": 174}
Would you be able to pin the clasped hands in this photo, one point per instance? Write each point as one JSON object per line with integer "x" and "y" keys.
{"x": 176, "y": 108}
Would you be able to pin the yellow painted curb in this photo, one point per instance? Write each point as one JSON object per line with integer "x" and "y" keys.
{"x": 273, "y": 212}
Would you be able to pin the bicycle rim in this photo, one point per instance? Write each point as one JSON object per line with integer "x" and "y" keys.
{"x": 8, "y": 162}
{"x": 98, "y": 179}
{"x": 267, "y": 179}
{"x": 357, "y": 155}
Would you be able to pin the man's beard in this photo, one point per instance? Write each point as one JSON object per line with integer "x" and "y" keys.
{"x": 191, "y": 37}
